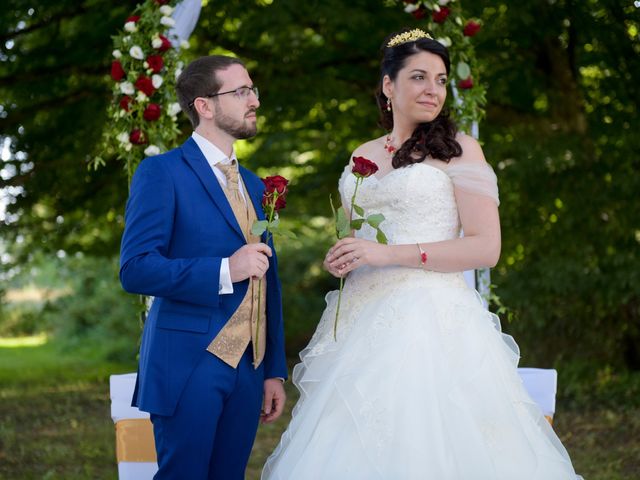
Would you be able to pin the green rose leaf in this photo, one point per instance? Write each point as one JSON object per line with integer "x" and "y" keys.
{"x": 357, "y": 224}
{"x": 259, "y": 227}
{"x": 358, "y": 210}
{"x": 342, "y": 224}
{"x": 381, "y": 237}
{"x": 333, "y": 209}
{"x": 375, "y": 220}
{"x": 288, "y": 234}
{"x": 274, "y": 224}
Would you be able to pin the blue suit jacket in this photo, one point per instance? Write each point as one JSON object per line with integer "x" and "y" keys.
{"x": 178, "y": 227}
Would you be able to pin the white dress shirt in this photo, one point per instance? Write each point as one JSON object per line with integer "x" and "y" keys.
{"x": 214, "y": 155}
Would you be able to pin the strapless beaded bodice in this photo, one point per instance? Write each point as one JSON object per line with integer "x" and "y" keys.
{"x": 417, "y": 201}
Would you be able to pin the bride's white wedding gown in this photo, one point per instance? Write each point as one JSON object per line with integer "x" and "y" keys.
{"x": 421, "y": 383}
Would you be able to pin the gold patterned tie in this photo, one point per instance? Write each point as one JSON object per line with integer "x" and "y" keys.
{"x": 231, "y": 342}
{"x": 238, "y": 205}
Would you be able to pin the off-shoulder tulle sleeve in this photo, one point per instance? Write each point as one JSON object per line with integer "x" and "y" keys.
{"x": 475, "y": 178}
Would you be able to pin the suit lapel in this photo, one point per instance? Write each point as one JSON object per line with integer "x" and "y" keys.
{"x": 194, "y": 157}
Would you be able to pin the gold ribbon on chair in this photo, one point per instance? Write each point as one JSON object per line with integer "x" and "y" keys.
{"x": 134, "y": 440}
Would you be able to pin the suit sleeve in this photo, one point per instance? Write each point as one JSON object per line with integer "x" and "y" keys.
{"x": 145, "y": 267}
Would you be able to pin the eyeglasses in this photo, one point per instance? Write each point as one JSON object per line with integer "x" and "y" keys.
{"x": 241, "y": 93}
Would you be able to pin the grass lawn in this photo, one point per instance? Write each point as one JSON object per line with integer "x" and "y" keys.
{"x": 55, "y": 422}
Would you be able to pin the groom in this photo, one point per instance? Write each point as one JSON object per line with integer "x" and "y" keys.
{"x": 207, "y": 366}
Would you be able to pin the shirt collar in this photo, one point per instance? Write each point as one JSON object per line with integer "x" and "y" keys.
{"x": 211, "y": 153}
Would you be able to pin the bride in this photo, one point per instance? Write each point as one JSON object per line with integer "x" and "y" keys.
{"x": 420, "y": 383}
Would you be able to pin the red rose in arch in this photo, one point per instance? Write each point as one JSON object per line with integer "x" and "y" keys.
{"x": 441, "y": 16}
{"x": 117, "y": 72}
{"x": 152, "y": 112}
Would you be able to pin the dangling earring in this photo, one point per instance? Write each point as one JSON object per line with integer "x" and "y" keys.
{"x": 388, "y": 104}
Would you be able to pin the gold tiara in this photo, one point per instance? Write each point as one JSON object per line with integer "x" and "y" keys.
{"x": 410, "y": 36}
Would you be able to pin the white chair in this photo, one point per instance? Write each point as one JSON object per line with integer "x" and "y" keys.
{"x": 135, "y": 447}
{"x": 541, "y": 384}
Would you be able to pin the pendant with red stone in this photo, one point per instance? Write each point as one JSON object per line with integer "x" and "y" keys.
{"x": 388, "y": 145}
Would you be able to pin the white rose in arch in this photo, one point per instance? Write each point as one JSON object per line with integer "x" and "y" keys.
{"x": 127, "y": 88}
{"x": 151, "y": 150}
{"x": 117, "y": 54}
{"x": 167, "y": 21}
{"x": 445, "y": 41}
{"x": 166, "y": 10}
{"x": 136, "y": 52}
{"x": 156, "y": 80}
{"x": 410, "y": 8}
{"x": 156, "y": 42}
{"x": 141, "y": 97}
{"x": 123, "y": 137}
{"x": 184, "y": 44}
{"x": 174, "y": 109}
{"x": 130, "y": 27}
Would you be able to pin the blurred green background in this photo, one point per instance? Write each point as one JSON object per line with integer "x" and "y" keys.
{"x": 561, "y": 131}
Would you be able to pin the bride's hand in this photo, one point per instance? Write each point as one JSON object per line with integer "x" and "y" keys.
{"x": 350, "y": 253}
{"x": 333, "y": 270}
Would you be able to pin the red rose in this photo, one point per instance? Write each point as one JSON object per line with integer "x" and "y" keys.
{"x": 471, "y": 28}
{"x": 145, "y": 85}
{"x": 267, "y": 202}
{"x": 280, "y": 203}
{"x": 133, "y": 18}
{"x": 420, "y": 13}
{"x": 441, "y": 16}
{"x": 275, "y": 188}
{"x": 125, "y": 102}
{"x": 152, "y": 112}
{"x": 466, "y": 84}
{"x": 363, "y": 167}
{"x": 117, "y": 72}
{"x": 166, "y": 44}
{"x": 137, "y": 137}
{"x": 155, "y": 63}
{"x": 276, "y": 183}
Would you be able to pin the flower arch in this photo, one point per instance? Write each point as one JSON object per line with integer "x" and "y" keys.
{"x": 147, "y": 60}
{"x": 143, "y": 110}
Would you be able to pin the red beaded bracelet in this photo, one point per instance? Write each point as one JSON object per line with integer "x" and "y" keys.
{"x": 423, "y": 255}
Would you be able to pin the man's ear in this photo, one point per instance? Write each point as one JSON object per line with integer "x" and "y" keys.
{"x": 204, "y": 108}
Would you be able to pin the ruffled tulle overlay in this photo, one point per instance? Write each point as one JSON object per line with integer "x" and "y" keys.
{"x": 420, "y": 383}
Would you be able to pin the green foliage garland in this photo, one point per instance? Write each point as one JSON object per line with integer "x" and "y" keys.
{"x": 143, "y": 111}
{"x": 448, "y": 25}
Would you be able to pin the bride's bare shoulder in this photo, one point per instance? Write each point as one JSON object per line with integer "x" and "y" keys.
{"x": 471, "y": 150}
{"x": 370, "y": 149}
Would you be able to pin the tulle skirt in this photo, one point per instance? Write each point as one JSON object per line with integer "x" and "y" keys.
{"x": 420, "y": 384}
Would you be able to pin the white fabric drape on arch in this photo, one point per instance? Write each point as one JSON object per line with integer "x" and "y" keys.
{"x": 186, "y": 14}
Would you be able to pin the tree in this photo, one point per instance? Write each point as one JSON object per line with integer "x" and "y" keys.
{"x": 562, "y": 110}
{"x": 560, "y": 131}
